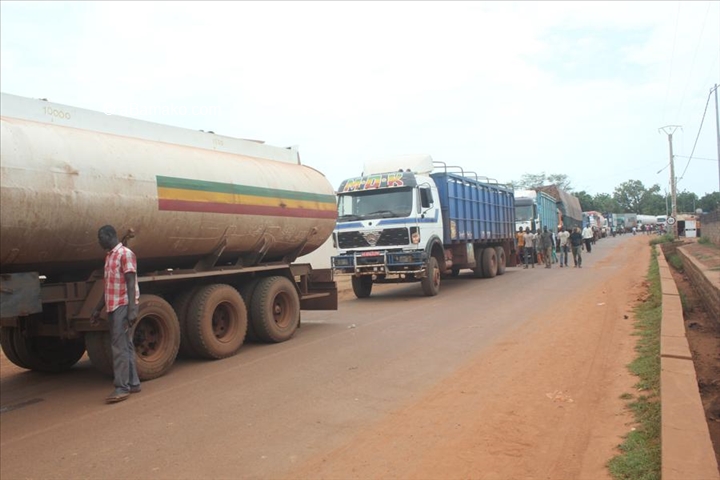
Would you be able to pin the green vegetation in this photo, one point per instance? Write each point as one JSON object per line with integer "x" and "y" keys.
{"x": 640, "y": 458}
{"x": 704, "y": 240}
{"x": 666, "y": 238}
{"x": 628, "y": 197}
{"x": 675, "y": 261}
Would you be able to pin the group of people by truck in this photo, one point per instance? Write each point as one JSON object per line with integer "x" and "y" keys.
{"x": 547, "y": 248}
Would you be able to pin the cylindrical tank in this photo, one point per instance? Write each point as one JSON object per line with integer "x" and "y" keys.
{"x": 59, "y": 184}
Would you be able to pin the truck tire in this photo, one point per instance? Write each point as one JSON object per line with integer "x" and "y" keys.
{"x": 47, "y": 354}
{"x": 7, "y": 341}
{"x": 478, "y": 268}
{"x": 489, "y": 263}
{"x": 99, "y": 350}
{"x": 362, "y": 286}
{"x": 275, "y": 309}
{"x": 217, "y": 321}
{"x": 431, "y": 283}
{"x": 156, "y": 336}
{"x": 246, "y": 292}
{"x": 181, "y": 304}
{"x": 501, "y": 260}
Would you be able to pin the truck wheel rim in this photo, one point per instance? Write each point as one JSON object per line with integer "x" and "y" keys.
{"x": 148, "y": 336}
{"x": 281, "y": 310}
{"x": 223, "y": 321}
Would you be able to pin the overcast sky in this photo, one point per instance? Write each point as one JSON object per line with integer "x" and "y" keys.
{"x": 502, "y": 89}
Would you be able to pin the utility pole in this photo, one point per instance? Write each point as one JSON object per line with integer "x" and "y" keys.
{"x": 717, "y": 132}
{"x": 669, "y": 130}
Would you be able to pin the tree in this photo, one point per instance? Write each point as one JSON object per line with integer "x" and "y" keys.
{"x": 604, "y": 203}
{"x": 687, "y": 202}
{"x": 633, "y": 197}
{"x": 709, "y": 202}
{"x": 586, "y": 201}
{"x": 531, "y": 181}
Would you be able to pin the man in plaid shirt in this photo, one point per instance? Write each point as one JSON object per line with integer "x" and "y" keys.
{"x": 120, "y": 285}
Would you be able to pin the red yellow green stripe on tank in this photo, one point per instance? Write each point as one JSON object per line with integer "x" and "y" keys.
{"x": 186, "y": 195}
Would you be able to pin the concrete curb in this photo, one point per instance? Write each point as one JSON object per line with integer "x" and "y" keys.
{"x": 687, "y": 451}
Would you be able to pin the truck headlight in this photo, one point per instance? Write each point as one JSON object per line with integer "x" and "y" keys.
{"x": 342, "y": 261}
{"x": 415, "y": 235}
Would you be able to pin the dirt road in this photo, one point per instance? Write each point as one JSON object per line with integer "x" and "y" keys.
{"x": 517, "y": 377}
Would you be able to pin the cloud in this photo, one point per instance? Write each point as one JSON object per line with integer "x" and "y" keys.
{"x": 508, "y": 87}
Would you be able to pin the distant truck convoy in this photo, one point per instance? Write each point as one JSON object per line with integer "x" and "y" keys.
{"x": 409, "y": 219}
{"x": 535, "y": 210}
{"x": 217, "y": 224}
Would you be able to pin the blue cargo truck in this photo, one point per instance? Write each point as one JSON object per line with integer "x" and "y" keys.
{"x": 535, "y": 210}
{"x": 409, "y": 219}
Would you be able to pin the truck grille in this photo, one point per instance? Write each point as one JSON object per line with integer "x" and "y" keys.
{"x": 388, "y": 238}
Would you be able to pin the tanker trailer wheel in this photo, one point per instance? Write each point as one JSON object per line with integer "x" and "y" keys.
{"x": 275, "y": 309}
{"x": 156, "y": 336}
{"x": 246, "y": 292}
{"x": 217, "y": 321}
{"x": 99, "y": 350}
{"x": 7, "y": 341}
{"x": 501, "y": 260}
{"x": 362, "y": 286}
{"x": 431, "y": 283}
{"x": 48, "y": 354}
{"x": 181, "y": 304}
{"x": 489, "y": 263}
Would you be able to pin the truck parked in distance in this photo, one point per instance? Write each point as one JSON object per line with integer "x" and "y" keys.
{"x": 597, "y": 221}
{"x": 216, "y": 223}
{"x": 535, "y": 210}
{"x": 568, "y": 205}
{"x": 409, "y": 219}
{"x": 625, "y": 221}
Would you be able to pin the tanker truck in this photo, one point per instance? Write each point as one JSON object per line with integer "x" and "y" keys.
{"x": 216, "y": 224}
{"x": 411, "y": 219}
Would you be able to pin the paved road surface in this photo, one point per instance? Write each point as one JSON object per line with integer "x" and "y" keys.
{"x": 512, "y": 377}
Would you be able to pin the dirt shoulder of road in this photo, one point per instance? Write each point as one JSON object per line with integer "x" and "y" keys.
{"x": 543, "y": 403}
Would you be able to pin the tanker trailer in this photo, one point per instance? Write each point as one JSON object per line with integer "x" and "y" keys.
{"x": 216, "y": 224}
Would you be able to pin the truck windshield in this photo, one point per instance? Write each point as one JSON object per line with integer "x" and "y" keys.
{"x": 365, "y": 205}
{"x": 523, "y": 213}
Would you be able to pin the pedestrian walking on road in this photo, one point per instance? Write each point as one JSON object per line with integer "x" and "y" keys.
{"x": 546, "y": 244}
{"x": 121, "y": 285}
{"x": 587, "y": 235}
{"x": 529, "y": 239}
{"x": 563, "y": 241}
{"x": 576, "y": 242}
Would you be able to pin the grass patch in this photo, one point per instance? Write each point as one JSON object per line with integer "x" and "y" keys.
{"x": 667, "y": 238}
{"x": 626, "y": 396}
{"x": 706, "y": 241}
{"x": 640, "y": 452}
{"x": 675, "y": 261}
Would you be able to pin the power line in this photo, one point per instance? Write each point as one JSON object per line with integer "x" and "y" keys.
{"x": 698, "y": 135}
{"x": 696, "y": 158}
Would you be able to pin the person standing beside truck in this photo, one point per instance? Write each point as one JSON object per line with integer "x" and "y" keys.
{"x": 120, "y": 285}
{"x": 520, "y": 245}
